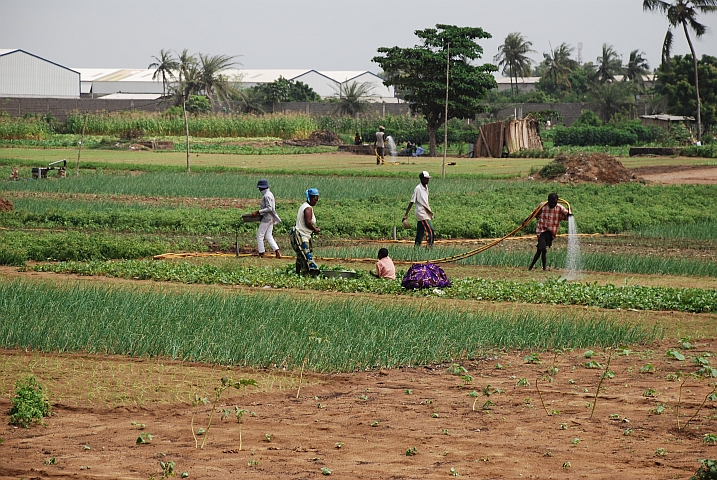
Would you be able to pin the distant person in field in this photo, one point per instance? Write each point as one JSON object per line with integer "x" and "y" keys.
{"x": 379, "y": 144}
{"x": 357, "y": 139}
{"x": 384, "y": 267}
{"x": 269, "y": 218}
{"x": 408, "y": 151}
{"x": 424, "y": 214}
{"x": 549, "y": 216}
{"x": 302, "y": 234}
{"x": 419, "y": 150}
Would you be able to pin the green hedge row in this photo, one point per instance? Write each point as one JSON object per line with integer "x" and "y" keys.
{"x": 630, "y": 134}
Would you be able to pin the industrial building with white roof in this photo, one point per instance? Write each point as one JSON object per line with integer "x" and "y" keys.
{"x": 23, "y": 74}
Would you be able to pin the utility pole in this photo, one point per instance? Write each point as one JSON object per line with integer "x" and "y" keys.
{"x": 445, "y": 116}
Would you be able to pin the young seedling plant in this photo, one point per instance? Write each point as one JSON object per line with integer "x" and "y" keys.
{"x": 602, "y": 377}
{"x": 313, "y": 341}
{"x": 239, "y": 413}
{"x": 167, "y": 469}
{"x": 226, "y": 383}
{"x": 711, "y": 396}
{"x": 195, "y": 404}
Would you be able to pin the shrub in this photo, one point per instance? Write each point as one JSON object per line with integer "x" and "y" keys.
{"x": 678, "y": 135}
{"x": 708, "y": 151}
{"x": 552, "y": 170}
{"x": 29, "y": 405}
{"x": 198, "y": 104}
{"x": 588, "y": 118}
{"x": 14, "y": 257}
{"x": 584, "y": 136}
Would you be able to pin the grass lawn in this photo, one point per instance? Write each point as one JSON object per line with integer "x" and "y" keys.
{"x": 338, "y": 163}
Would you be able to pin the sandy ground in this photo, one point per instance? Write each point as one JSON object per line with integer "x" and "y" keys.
{"x": 678, "y": 174}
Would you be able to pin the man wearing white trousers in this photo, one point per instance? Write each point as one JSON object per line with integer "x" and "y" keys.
{"x": 269, "y": 218}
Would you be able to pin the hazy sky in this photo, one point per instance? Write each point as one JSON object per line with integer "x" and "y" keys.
{"x": 320, "y": 34}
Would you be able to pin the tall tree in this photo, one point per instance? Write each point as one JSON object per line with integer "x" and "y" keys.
{"x": 611, "y": 97}
{"x": 420, "y": 72}
{"x": 301, "y": 92}
{"x": 186, "y": 62}
{"x": 165, "y": 65}
{"x": 352, "y": 97}
{"x": 636, "y": 68}
{"x": 513, "y": 57}
{"x": 683, "y": 13}
{"x": 215, "y": 85}
{"x": 676, "y": 86}
{"x": 608, "y": 64}
{"x": 276, "y": 91}
{"x": 559, "y": 65}
{"x": 189, "y": 82}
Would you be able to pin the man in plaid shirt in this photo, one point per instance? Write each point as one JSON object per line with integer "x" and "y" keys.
{"x": 549, "y": 218}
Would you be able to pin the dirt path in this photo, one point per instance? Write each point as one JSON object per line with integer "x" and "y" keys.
{"x": 678, "y": 174}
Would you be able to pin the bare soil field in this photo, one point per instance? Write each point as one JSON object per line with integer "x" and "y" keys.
{"x": 399, "y": 423}
{"x": 678, "y": 174}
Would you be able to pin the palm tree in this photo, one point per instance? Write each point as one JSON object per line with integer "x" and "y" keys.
{"x": 352, "y": 97}
{"x": 214, "y": 84}
{"x": 165, "y": 66}
{"x": 636, "y": 69}
{"x": 185, "y": 61}
{"x": 512, "y": 56}
{"x": 611, "y": 97}
{"x": 683, "y": 13}
{"x": 189, "y": 83}
{"x": 608, "y": 65}
{"x": 558, "y": 65}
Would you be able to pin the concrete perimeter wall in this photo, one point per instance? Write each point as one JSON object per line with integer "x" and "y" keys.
{"x": 60, "y": 108}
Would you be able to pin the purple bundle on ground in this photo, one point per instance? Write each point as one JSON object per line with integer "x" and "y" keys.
{"x": 425, "y": 275}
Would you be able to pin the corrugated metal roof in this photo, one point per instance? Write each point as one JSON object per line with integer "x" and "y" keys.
{"x": 131, "y": 96}
{"x": 116, "y": 75}
{"x": 668, "y": 118}
{"x": 507, "y": 80}
{"x": 103, "y": 78}
{"x": 263, "y": 76}
{"x": 25, "y": 74}
{"x": 246, "y": 75}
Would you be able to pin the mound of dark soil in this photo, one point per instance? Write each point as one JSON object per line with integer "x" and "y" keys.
{"x": 588, "y": 167}
{"x": 6, "y": 205}
{"x": 319, "y": 137}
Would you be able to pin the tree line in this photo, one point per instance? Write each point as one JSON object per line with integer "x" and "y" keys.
{"x": 439, "y": 80}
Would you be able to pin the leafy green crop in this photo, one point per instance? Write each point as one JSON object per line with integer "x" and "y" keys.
{"x": 353, "y": 207}
{"x": 29, "y": 405}
{"x": 556, "y": 292}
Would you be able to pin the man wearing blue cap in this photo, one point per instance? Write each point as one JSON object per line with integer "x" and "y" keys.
{"x": 269, "y": 218}
{"x": 302, "y": 233}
